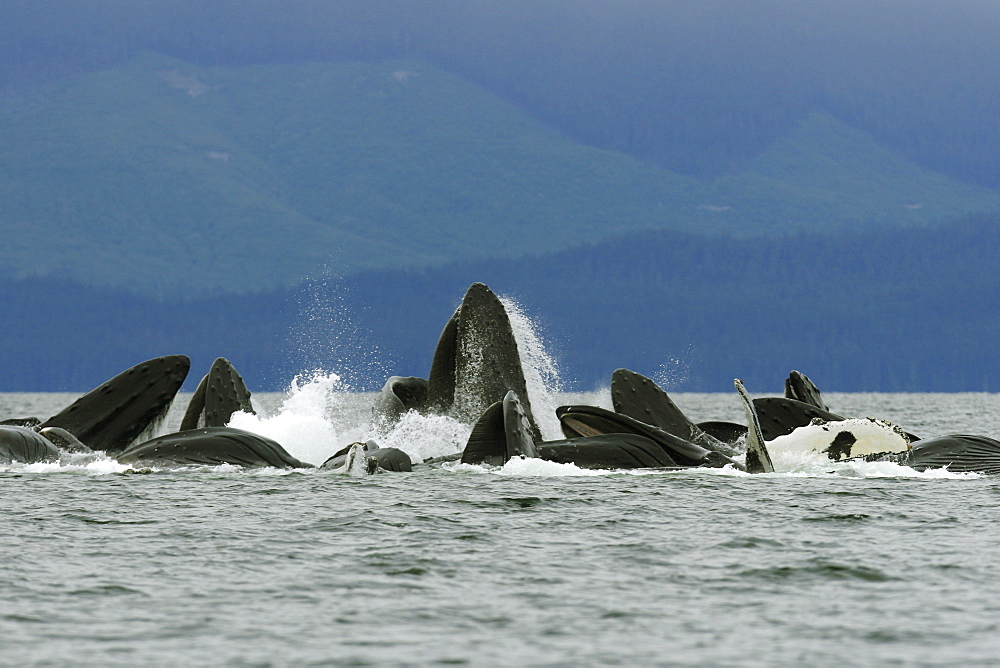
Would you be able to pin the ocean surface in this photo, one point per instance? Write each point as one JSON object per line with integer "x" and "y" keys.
{"x": 533, "y": 563}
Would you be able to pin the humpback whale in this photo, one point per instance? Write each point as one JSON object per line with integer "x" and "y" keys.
{"x": 500, "y": 433}
{"x": 594, "y": 421}
{"x": 220, "y": 393}
{"x": 64, "y": 440}
{"x": 212, "y": 446}
{"x": 799, "y": 387}
{"x": 836, "y": 440}
{"x": 24, "y": 445}
{"x": 353, "y": 462}
{"x": 400, "y": 394}
{"x": 758, "y": 460}
{"x": 121, "y": 410}
{"x": 959, "y": 453}
{"x": 781, "y": 416}
{"x": 638, "y": 397}
{"x": 641, "y": 398}
{"x": 956, "y": 452}
{"x": 596, "y": 438}
{"x": 112, "y": 416}
{"x": 475, "y": 364}
{"x": 375, "y": 459}
{"x": 116, "y": 415}
{"x": 843, "y": 439}
{"x": 729, "y": 433}
{"x": 204, "y": 438}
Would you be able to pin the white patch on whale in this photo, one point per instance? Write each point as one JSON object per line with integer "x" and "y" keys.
{"x": 835, "y": 441}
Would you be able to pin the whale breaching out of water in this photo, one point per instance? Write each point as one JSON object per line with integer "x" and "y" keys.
{"x": 477, "y": 375}
{"x": 475, "y": 364}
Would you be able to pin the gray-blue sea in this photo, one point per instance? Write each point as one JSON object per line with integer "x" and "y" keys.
{"x": 534, "y": 563}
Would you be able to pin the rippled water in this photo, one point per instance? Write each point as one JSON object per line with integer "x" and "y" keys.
{"x": 535, "y": 563}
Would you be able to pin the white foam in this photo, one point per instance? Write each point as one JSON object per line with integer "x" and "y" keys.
{"x": 525, "y": 467}
{"x": 540, "y": 468}
{"x": 857, "y": 468}
{"x": 263, "y": 471}
{"x": 425, "y": 436}
{"x": 726, "y": 471}
{"x": 303, "y": 423}
{"x": 89, "y": 464}
{"x": 863, "y": 469}
{"x": 314, "y": 421}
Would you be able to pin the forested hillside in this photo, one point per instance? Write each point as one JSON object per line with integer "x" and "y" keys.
{"x": 697, "y": 87}
{"x": 174, "y": 180}
{"x": 878, "y": 311}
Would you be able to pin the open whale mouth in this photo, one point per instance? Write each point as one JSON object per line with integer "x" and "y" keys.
{"x": 579, "y": 421}
{"x": 592, "y": 421}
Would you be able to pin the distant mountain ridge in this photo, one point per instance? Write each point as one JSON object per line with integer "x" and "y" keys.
{"x": 164, "y": 178}
{"x": 879, "y": 311}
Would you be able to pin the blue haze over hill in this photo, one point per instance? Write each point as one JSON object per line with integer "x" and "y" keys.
{"x": 176, "y": 180}
{"x": 202, "y": 159}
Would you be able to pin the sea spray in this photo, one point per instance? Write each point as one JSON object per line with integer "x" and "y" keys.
{"x": 675, "y": 372}
{"x": 319, "y": 416}
{"x": 541, "y": 374}
{"x": 310, "y": 422}
{"x": 540, "y": 468}
{"x": 96, "y": 465}
{"x": 425, "y": 436}
{"x": 325, "y": 335}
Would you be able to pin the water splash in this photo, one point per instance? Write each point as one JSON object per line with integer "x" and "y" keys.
{"x": 359, "y": 463}
{"x": 319, "y": 416}
{"x": 800, "y": 464}
{"x": 96, "y": 464}
{"x": 541, "y": 374}
{"x": 525, "y": 467}
{"x": 326, "y": 336}
{"x": 674, "y": 373}
{"x": 425, "y": 436}
{"x": 305, "y": 422}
